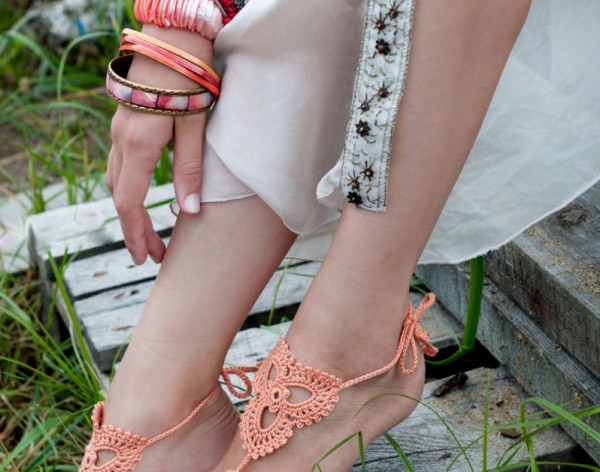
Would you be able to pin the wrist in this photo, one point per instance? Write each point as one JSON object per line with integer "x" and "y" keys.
{"x": 189, "y": 41}
{"x": 154, "y": 74}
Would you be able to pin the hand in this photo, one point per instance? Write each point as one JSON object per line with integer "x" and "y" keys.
{"x": 138, "y": 141}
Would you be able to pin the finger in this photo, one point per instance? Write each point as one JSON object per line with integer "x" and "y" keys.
{"x": 129, "y": 196}
{"x": 156, "y": 246}
{"x": 187, "y": 161}
{"x": 116, "y": 169}
{"x": 108, "y": 176}
{"x": 116, "y": 154}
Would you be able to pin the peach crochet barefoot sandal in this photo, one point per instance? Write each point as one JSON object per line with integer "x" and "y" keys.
{"x": 128, "y": 447}
{"x": 273, "y": 394}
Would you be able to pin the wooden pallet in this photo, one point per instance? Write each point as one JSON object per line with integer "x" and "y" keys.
{"x": 541, "y": 308}
{"x": 108, "y": 293}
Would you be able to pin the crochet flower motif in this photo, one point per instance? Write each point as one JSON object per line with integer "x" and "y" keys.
{"x": 277, "y": 378}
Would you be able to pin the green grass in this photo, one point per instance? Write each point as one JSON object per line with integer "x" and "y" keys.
{"x": 46, "y": 386}
{"x": 532, "y": 424}
{"x": 54, "y": 100}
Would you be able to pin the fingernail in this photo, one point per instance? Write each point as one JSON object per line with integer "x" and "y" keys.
{"x": 133, "y": 259}
{"x": 154, "y": 259}
{"x": 192, "y": 203}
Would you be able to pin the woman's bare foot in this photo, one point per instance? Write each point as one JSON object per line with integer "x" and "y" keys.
{"x": 197, "y": 447}
{"x": 371, "y": 407}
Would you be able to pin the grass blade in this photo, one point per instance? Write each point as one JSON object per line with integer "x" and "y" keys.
{"x": 399, "y": 451}
{"x": 358, "y": 434}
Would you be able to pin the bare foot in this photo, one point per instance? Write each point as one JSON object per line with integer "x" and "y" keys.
{"x": 372, "y": 407}
{"x": 197, "y": 447}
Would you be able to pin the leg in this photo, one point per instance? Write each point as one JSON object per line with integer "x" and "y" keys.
{"x": 208, "y": 282}
{"x": 361, "y": 291}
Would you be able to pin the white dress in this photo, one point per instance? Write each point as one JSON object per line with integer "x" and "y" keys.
{"x": 280, "y": 127}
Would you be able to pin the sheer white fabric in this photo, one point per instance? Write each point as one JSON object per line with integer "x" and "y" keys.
{"x": 279, "y": 127}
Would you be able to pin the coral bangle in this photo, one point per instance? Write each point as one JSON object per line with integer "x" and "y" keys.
{"x": 173, "y": 50}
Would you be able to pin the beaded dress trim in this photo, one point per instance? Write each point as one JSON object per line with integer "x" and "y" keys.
{"x": 279, "y": 374}
{"x": 377, "y": 92}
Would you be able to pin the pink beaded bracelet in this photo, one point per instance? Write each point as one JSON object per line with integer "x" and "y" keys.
{"x": 201, "y": 16}
{"x": 152, "y": 99}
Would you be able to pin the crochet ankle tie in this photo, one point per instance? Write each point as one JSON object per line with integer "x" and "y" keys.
{"x": 279, "y": 372}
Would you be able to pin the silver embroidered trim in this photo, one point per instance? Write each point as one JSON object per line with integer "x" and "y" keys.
{"x": 377, "y": 92}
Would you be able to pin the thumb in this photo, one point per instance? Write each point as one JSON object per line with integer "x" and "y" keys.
{"x": 187, "y": 161}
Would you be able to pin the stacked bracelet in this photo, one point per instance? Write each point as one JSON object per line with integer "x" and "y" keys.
{"x": 152, "y": 99}
{"x": 171, "y": 59}
{"x": 172, "y": 49}
{"x": 201, "y": 16}
{"x": 157, "y": 100}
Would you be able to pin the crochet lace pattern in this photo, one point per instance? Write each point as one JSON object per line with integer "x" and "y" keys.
{"x": 279, "y": 372}
{"x": 128, "y": 447}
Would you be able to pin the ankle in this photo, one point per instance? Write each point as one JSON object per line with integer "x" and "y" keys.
{"x": 200, "y": 438}
{"x": 346, "y": 341}
{"x": 149, "y": 392}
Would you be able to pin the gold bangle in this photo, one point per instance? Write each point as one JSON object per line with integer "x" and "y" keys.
{"x": 152, "y": 99}
{"x": 118, "y": 68}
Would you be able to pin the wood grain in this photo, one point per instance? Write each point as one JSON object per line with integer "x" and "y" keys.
{"x": 429, "y": 446}
{"x": 553, "y": 272}
{"x": 536, "y": 360}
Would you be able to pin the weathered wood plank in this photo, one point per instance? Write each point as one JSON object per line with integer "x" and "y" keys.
{"x": 105, "y": 271}
{"x": 536, "y": 360}
{"x": 108, "y": 331}
{"x": 429, "y": 445}
{"x": 78, "y": 228}
{"x": 13, "y": 210}
{"x": 252, "y": 345}
{"x": 294, "y": 283}
{"x": 115, "y": 270}
{"x": 553, "y": 272}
